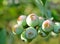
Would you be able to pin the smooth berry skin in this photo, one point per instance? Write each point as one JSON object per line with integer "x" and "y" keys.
{"x": 17, "y": 29}
{"x": 41, "y": 20}
{"x": 47, "y": 26}
{"x": 21, "y": 20}
{"x": 57, "y": 27}
{"x": 31, "y": 33}
{"x": 32, "y": 20}
{"x": 23, "y": 37}
{"x": 53, "y": 34}
{"x": 40, "y": 32}
{"x": 43, "y": 34}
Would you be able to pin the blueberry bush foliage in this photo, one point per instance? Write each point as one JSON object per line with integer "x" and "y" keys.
{"x": 25, "y": 21}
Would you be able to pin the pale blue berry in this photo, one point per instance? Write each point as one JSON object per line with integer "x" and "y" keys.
{"x": 41, "y": 19}
{"x": 47, "y": 26}
{"x": 53, "y": 34}
{"x": 31, "y": 33}
{"x": 32, "y": 20}
{"x": 17, "y": 29}
{"x": 43, "y": 34}
{"x": 23, "y": 37}
{"x": 22, "y": 20}
{"x": 57, "y": 27}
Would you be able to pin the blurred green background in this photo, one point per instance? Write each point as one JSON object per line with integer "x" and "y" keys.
{"x": 10, "y": 10}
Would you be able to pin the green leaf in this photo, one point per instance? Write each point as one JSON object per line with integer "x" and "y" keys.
{"x": 2, "y": 36}
{"x": 48, "y": 14}
{"x": 55, "y": 15}
{"x": 1, "y": 2}
{"x": 43, "y": 1}
{"x": 40, "y": 6}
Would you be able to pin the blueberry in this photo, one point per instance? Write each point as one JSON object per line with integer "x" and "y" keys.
{"x": 57, "y": 27}
{"x": 31, "y": 33}
{"x": 23, "y": 37}
{"x": 47, "y": 26}
{"x": 53, "y": 34}
{"x": 41, "y": 19}
{"x": 32, "y": 20}
{"x": 21, "y": 20}
{"x": 17, "y": 29}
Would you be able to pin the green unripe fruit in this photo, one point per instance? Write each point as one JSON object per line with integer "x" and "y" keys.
{"x": 47, "y": 26}
{"x": 57, "y": 27}
{"x": 31, "y": 33}
{"x": 43, "y": 34}
{"x": 32, "y": 20}
{"x": 22, "y": 20}
{"x": 41, "y": 19}
{"x": 39, "y": 30}
{"x": 17, "y": 29}
{"x": 23, "y": 37}
{"x": 53, "y": 34}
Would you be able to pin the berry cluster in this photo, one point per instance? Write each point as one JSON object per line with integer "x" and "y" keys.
{"x": 28, "y": 27}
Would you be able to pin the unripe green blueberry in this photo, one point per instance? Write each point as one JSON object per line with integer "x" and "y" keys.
{"x": 53, "y": 34}
{"x": 32, "y": 20}
{"x": 23, "y": 36}
{"x": 41, "y": 19}
{"x": 31, "y": 33}
{"x": 22, "y": 20}
{"x": 47, "y": 26}
{"x": 17, "y": 29}
{"x": 43, "y": 34}
{"x": 39, "y": 30}
{"x": 57, "y": 27}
